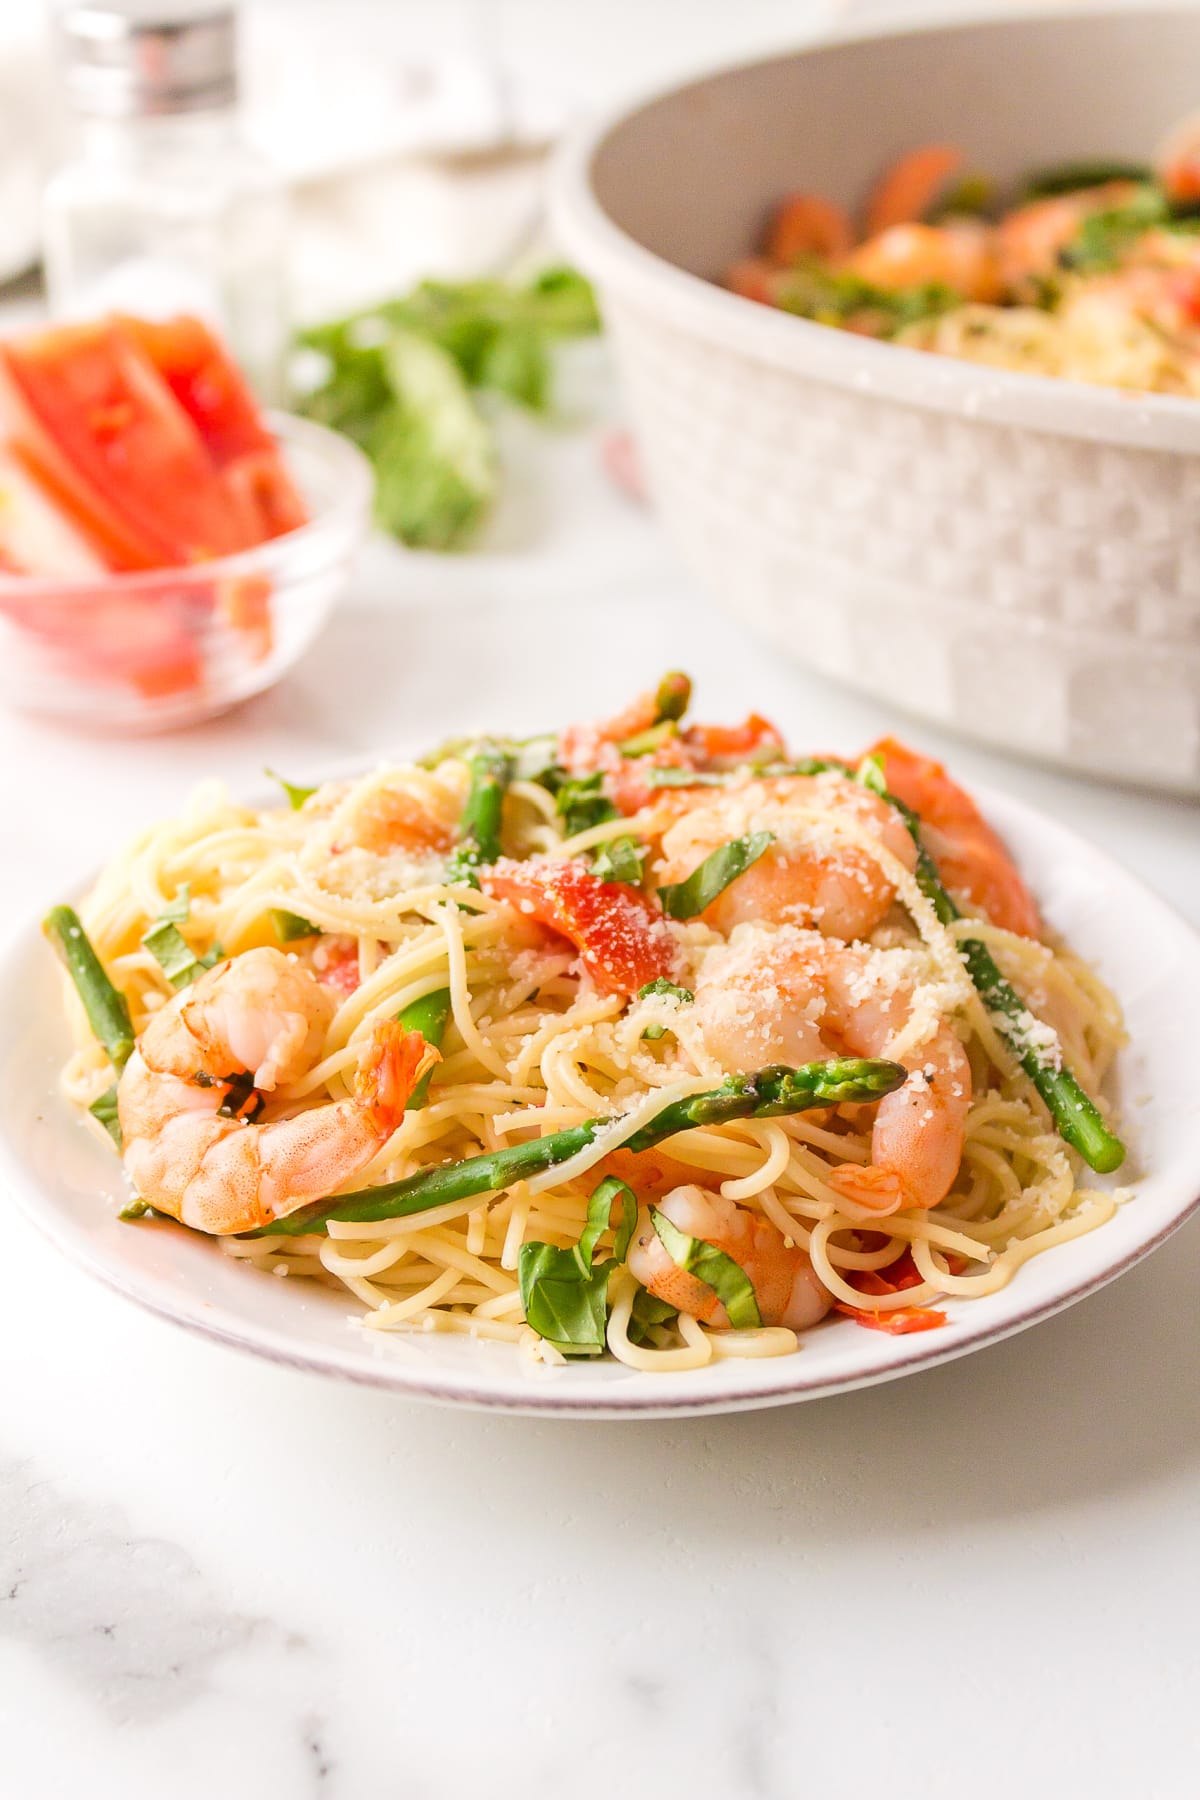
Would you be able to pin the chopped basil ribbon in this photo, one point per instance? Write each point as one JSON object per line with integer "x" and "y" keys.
{"x": 175, "y": 956}
{"x": 296, "y": 795}
{"x": 428, "y": 1015}
{"x": 289, "y": 925}
{"x": 728, "y": 1281}
{"x": 180, "y": 908}
{"x": 581, "y": 803}
{"x": 688, "y": 899}
{"x": 686, "y": 778}
{"x": 105, "y": 1110}
{"x": 645, "y": 743}
{"x": 106, "y": 1007}
{"x": 668, "y": 988}
{"x": 621, "y": 859}
{"x": 646, "y": 1312}
{"x": 564, "y": 1294}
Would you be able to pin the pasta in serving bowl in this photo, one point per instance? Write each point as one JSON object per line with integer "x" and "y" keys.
{"x": 648, "y": 1045}
{"x": 1002, "y": 551}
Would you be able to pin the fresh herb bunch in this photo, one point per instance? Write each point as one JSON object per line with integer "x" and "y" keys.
{"x": 400, "y": 379}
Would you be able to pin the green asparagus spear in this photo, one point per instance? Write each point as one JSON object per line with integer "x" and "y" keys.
{"x": 479, "y": 830}
{"x": 105, "y": 1005}
{"x": 768, "y": 1094}
{"x": 428, "y": 1015}
{"x": 1075, "y": 1115}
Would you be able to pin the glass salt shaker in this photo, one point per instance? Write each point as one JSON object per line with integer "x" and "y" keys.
{"x": 162, "y": 207}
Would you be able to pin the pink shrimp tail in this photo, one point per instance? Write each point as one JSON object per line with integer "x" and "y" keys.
{"x": 394, "y": 1063}
{"x": 877, "y": 1189}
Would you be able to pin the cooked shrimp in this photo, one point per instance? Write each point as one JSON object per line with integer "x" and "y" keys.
{"x": 1029, "y": 239}
{"x": 266, "y": 1015}
{"x": 800, "y": 879}
{"x": 795, "y": 996}
{"x": 807, "y": 225}
{"x": 787, "y": 1290}
{"x": 970, "y": 857}
{"x": 911, "y": 186}
{"x": 960, "y": 255}
{"x": 1177, "y": 162}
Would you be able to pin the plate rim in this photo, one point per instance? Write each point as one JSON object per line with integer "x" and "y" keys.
{"x": 428, "y": 1384}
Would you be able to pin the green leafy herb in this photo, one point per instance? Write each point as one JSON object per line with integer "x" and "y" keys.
{"x": 429, "y": 1016}
{"x": 1069, "y": 178}
{"x": 687, "y": 899}
{"x": 175, "y": 956}
{"x": 668, "y": 988}
{"x": 399, "y": 380}
{"x": 621, "y": 859}
{"x": 179, "y": 909}
{"x": 581, "y": 803}
{"x": 831, "y": 298}
{"x": 729, "y": 1282}
{"x": 105, "y": 1110}
{"x": 296, "y": 795}
{"x": 686, "y": 778}
{"x": 289, "y": 925}
{"x": 565, "y": 1297}
{"x": 106, "y": 1007}
{"x": 647, "y": 1312}
{"x": 771, "y": 1093}
{"x": 1105, "y": 236}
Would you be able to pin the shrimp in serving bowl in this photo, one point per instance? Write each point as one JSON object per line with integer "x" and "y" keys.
{"x": 192, "y": 1154}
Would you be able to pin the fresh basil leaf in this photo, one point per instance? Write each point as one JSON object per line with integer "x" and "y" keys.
{"x": 178, "y": 911}
{"x": 599, "y": 1216}
{"x": 429, "y": 1016}
{"x": 645, "y": 743}
{"x": 105, "y": 1110}
{"x": 869, "y": 774}
{"x": 728, "y": 1281}
{"x": 687, "y": 899}
{"x": 621, "y": 859}
{"x": 647, "y": 1311}
{"x": 175, "y": 956}
{"x": 662, "y": 986}
{"x": 581, "y": 803}
{"x": 296, "y": 795}
{"x": 564, "y": 1294}
{"x": 685, "y": 778}
{"x": 562, "y": 1305}
{"x": 289, "y": 925}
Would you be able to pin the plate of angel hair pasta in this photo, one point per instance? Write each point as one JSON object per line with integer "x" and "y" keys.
{"x": 643, "y": 1066}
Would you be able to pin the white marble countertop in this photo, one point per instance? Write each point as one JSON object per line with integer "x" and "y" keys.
{"x": 218, "y": 1577}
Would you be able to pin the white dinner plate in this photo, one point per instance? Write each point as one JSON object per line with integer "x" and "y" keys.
{"x": 71, "y": 1187}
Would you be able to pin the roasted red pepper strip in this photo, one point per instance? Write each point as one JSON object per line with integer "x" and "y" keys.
{"x": 719, "y": 743}
{"x": 900, "y": 1320}
{"x": 623, "y": 940}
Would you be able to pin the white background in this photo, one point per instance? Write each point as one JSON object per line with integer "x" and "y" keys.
{"x": 218, "y": 1578}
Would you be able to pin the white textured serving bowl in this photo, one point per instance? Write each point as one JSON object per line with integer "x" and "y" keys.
{"x": 1014, "y": 557}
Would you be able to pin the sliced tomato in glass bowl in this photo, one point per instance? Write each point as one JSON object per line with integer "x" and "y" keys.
{"x": 90, "y": 416}
{"x": 214, "y": 394}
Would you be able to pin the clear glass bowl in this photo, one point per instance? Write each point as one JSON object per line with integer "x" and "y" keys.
{"x": 166, "y": 647}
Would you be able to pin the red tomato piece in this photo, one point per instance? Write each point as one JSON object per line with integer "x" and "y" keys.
{"x": 901, "y": 1274}
{"x": 214, "y": 394}
{"x": 624, "y": 942}
{"x": 716, "y": 742}
{"x": 88, "y": 413}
